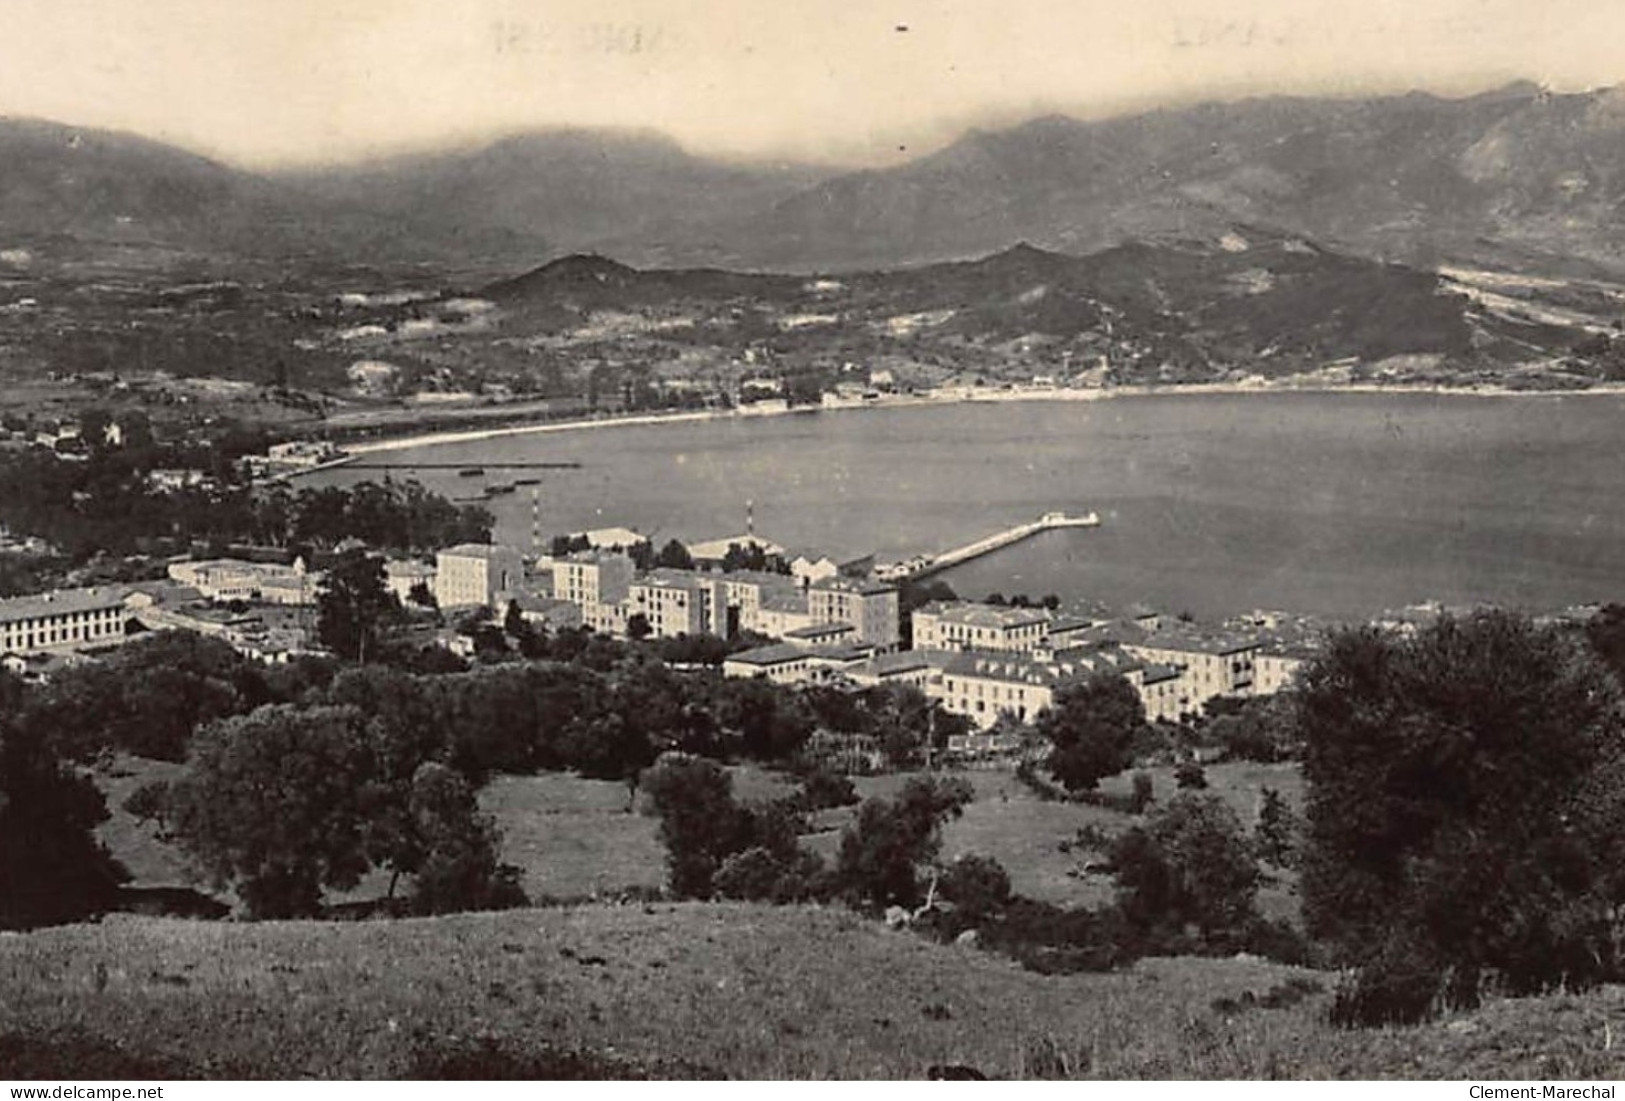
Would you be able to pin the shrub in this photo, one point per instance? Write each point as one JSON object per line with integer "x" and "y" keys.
{"x": 1190, "y": 776}
{"x": 823, "y": 787}
{"x": 979, "y": 888}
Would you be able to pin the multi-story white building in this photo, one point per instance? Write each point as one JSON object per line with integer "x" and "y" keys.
{"x": 966, "y": 626}
{"x": 1276, "y": 666}
{"x": 675, "y": 602}
{"x": 985, "y": 686}
{"x": 473, "y": 574}
{"x": 1212, "y": 665}
{"x": 592, "y": 577}
{"x": 746, "y": 592}
{"x": 870, "y": 606}
{"x": 62, "y": 621}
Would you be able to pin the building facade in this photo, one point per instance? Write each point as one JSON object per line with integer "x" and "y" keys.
{"x": 63, "y": 621}
{"x": 474, "y": 574}
{"x": 968, "y": 626}
{"x": 870, "y": 606}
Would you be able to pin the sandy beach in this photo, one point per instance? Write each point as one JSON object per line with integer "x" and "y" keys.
{"x": 951, "y": 396}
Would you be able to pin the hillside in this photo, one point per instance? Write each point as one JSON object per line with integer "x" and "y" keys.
{"x": 555, "y": 191}
{"x": 1517, "y": 177}
{"x": 1244, "y": 302}
{"x": 702, "y": 990}
{"x": 1514, "y": 176}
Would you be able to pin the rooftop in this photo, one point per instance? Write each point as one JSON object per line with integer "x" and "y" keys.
{"x": 1018, "y": 670}
{"x": 986, "y": 615}
{"x": 62, "y": 602}
{"x": 614, "y": 537}
{"x": 853, "y": 585}
{"x": 1195, "y": 642}
{"x": 478, "y": 550}
{"x": 782, "y": 653}
{"x": 717, "y": 549}
{"x": 819, "y": 630}
{"x": 673, "y": 579}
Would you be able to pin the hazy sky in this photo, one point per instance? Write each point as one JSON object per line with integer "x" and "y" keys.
{"x": 266, "y": 81}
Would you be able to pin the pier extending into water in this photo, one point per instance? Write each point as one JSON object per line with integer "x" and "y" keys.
{"x": 927, "y": 564}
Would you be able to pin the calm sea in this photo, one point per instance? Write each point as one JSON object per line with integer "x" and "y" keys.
{"x": 1341, "y": 504}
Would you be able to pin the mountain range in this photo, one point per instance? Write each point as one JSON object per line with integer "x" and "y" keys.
{"x": 1518, "y": 177}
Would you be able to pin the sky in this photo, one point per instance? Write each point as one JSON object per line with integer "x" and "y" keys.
{"x": 266, "y": 83}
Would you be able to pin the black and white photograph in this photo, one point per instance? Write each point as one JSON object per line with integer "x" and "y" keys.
{"x": 949, "y": 540}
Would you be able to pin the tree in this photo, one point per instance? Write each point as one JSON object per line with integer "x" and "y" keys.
{"x": 272, "y": 805}
{"x": 882, "y": 851}
{"x": 637, "y": 627}
{"x": 1275, "y": 837}
{"x": 52, "y": 867}
{"x": 699, "y": 820}
{"x": 1091, "y": 727}
{"x": 1463, "y": 807}
{"x": 285, "y": 802}
{"x": 458, "y": 867}
{"x": 1190, "y": 864}
{"x": 674, "y": 556}
{"x": 353, "y": 604}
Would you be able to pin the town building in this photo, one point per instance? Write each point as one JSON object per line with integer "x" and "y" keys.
{"x": 711, "y": 554}
{"x": 808, "y": 566}
{"x": 229, "y": 579}
{"x": 914, "y": 668}
{"x": 780, "y": 613}
{"x": 592, "y": 577}
{"x": 1276, "y": 666}
{"x": 546, "y": 612}
{"x": 784, "y": 663}
{"x": 963, "y": 625}
{"x": 1213, "y": 665}
{"x": 984, "y": 687}
{"x": 63, "y": 620}
{"x": 870, "y": 606}
{"x": 675, "y": 602}
{"x": 473, "y": 574}
{"x": 403, "y": 575}
{"x": 614, "y": 538}
{"x": 743, "y": 595}
{"x": 822, "y": 634}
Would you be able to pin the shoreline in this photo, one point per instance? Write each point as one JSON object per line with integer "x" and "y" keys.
{"x": 961, "y": 396}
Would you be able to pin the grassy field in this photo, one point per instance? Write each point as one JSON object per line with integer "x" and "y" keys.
{"x": 690, "y": 989}
{"x": 705, "y": 990}
{"x": 574, "y": 838}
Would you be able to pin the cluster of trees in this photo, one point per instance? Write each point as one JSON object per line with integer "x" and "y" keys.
{"x": 105, "y": 506}
{"x": 286, "y": 802}
{"x": 719, "y": 847}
